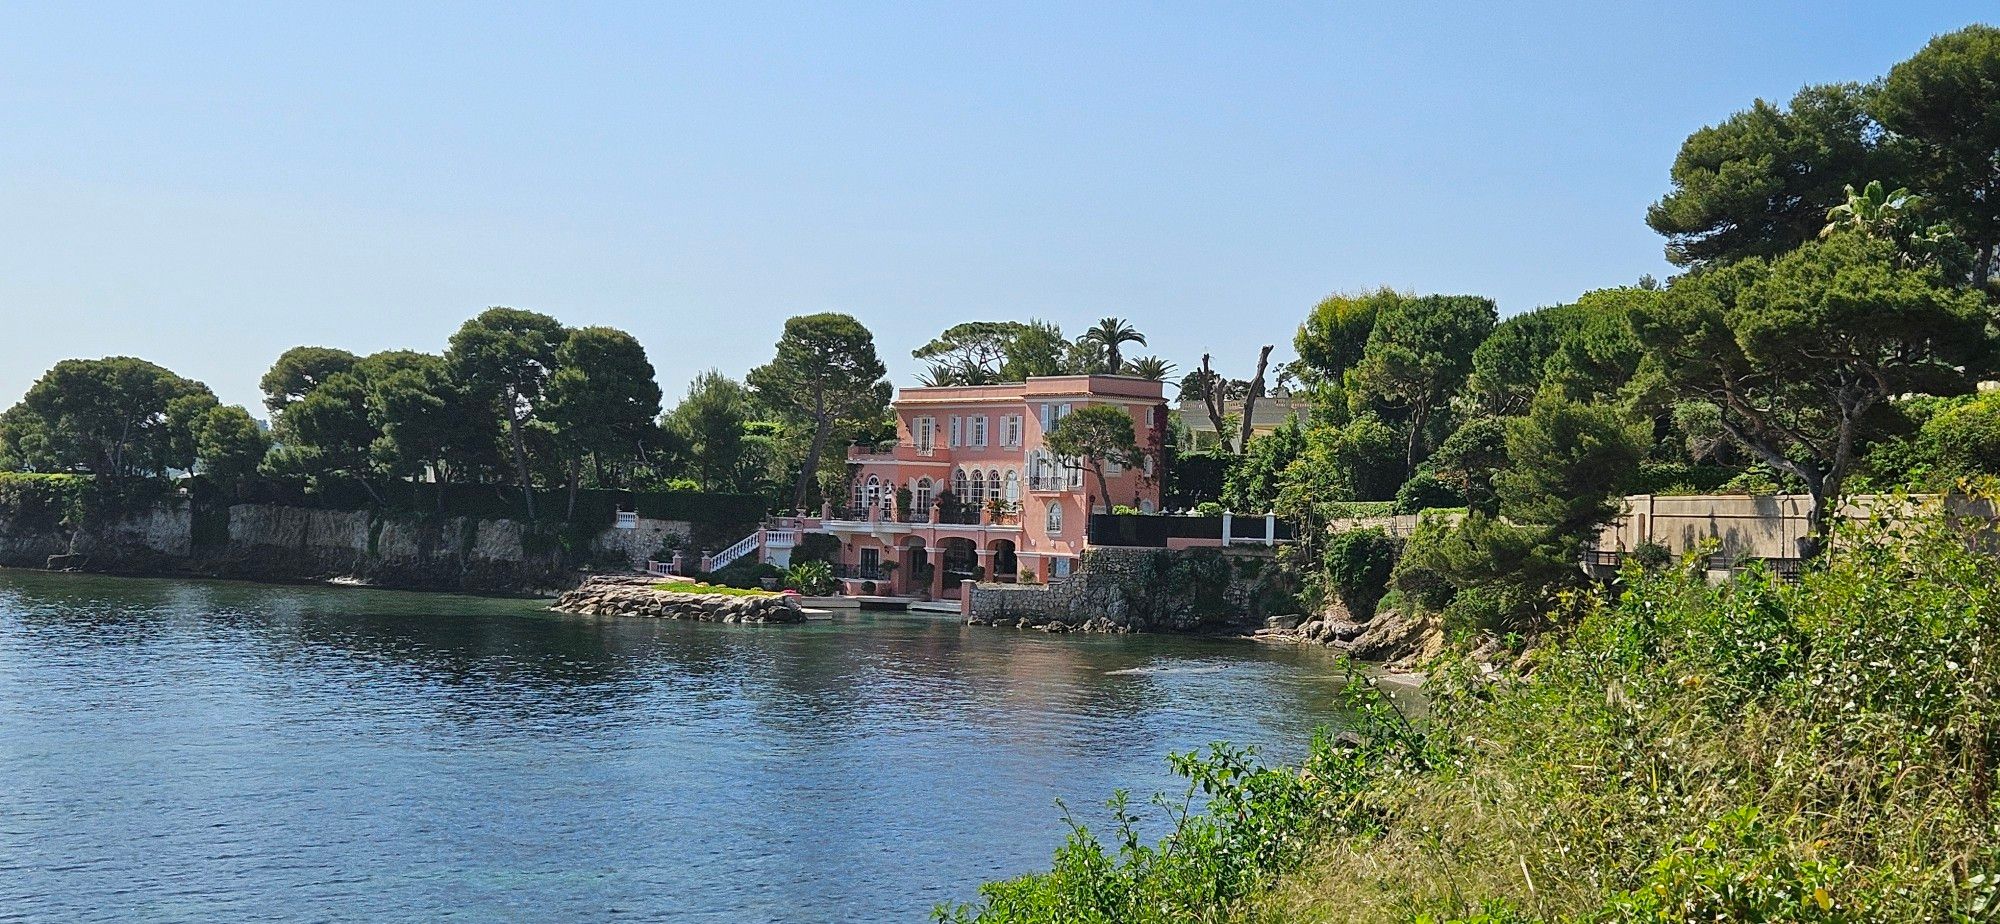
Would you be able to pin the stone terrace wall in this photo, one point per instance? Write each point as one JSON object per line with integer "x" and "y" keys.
{"x": 1114, "y": 591}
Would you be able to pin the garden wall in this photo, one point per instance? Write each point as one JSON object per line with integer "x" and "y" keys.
{"x": 291, "y": 543}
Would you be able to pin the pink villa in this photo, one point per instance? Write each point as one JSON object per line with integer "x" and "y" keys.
{"x": 969, "y": 490}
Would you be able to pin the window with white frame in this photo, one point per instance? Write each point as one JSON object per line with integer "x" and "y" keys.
{"x": 1012, "y": 438}
{"x": 874, "y": 495}
{"x": 979, "y": 431}
{"x": 959, "y": 485}
{"x": 1013, "y": 486}
{"x": 1048, "y": 418}
{"x": 957, "y": 431}
{"x": 922, "y": 496}
{"x": 1055, "y": 519}
{"x": 977, "y": 496}
{"x": 860, "y": 494}
{"x": 1152, "y": 415}
{"x": 923, "y": 432}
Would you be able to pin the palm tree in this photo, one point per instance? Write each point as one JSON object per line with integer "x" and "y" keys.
{"x": 1110, "y": 334}
{"x": 1152, "y": 367}
{"x": 1873, "y": 210}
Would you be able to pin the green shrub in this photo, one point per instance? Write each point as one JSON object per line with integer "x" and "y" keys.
{"x": 36, "y": 502}
{"x": 1358, "y": 563}
{"x": 817, "y": 547}
{"x": 1425, "y": 491}
{"x": 1235, "y": 826}
{"x": 812, "y": 578}
{"x": 1762, "y": 750}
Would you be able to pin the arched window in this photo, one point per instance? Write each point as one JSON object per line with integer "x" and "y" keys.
{"x": 978, "y": 496}
{"x": 1013, "y": 486}
{"x": 923, "y": 494}
{"x": 993, "y": 484}
{"x": 960, "y": 486}
{"x": 1055, "y": 519}
{"x": 860, "y": 495}
{"x": 874, "y": 495}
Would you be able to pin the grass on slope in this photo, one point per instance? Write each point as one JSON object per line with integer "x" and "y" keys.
{"x": 1759, "y": 751}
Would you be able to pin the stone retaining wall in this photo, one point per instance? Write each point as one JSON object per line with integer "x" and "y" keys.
{"x": 1117, "y": 590}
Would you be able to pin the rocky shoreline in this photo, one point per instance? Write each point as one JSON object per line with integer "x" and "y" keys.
{"x": 634, "y": 595}
{"x": 1390, "y": 638}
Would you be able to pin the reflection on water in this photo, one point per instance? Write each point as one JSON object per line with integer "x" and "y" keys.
{"x": 196, "y": 751}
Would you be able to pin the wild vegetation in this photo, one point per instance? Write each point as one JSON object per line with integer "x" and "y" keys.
{"x": 1652, "y": 748}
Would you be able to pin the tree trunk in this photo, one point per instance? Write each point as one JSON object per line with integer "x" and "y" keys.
{"x": 1818, "y": 522}
{"x": 520, "y": 456}
{"x": 1211, "y": 401}
{"x": 1419, "y": 416}
{"x": 575, "y": 480}
{"x": 810, "y": 470}
{"x": 1250, "y": 399}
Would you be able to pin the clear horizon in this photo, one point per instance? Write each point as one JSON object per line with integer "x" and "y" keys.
{"x": 207, "y": 188}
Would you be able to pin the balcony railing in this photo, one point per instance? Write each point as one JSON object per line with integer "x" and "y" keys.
{"x": 1059, "y": 481}
{"x": 860, "y": 572}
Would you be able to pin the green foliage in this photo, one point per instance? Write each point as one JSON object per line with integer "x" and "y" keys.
{"x": 601, "y": 398}
{"x": 1358, "y": 565}
{"x": 709, "y": 426}
{"x": 1197, "y": 476}
{"x": 31, "y": 503}
{"x": 300, "y": 370}
{"x": 1094, "y": 435}
{"x": 504, "y": 357}
{"x": 817, "y": 547}
{"x": 969, "y": 353}
{"x": 1336, "y": 331}
{"x": 825, "y": 374}
{"x": 1236, "y": 825}
{"x": 1426, "y": 491}
{"x": 812, "y": 578}
{"x": 1794, "y": 353}
{"x": 1108, "y": 339}
{"x": 1941, "y": 107}
{"x": 117, "y": 417}
{"x": 1468, "y": 459}
{"x": 1568, "y": 464}
{"x": 228, "y": 444}
{"x": 696, "y": 587}
{"x": 1756, "y": 751}
{"x": 1253, "y": 483}
{"x": 1759, "y": 183}
{"x": 1418, "y": 356}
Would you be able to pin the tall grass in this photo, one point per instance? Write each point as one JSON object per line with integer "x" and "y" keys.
{"x": 1755, "y": 751}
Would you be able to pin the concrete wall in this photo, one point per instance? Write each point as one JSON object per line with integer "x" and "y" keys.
{"x": 1743, "y": 526}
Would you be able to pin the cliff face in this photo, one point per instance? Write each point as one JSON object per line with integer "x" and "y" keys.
{"x": 269, "y": 542}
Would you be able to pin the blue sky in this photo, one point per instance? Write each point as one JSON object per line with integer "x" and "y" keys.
{"x": 205, "y": 187}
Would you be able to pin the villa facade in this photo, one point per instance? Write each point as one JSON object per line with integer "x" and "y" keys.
{"x": 970, "y": 490}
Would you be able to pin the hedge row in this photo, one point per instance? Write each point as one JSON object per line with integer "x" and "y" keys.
{"x": 499, "y": 501}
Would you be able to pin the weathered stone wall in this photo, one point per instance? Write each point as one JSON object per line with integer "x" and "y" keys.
{"x": 1120, "y": 590}
{"x": 271, "y": 542}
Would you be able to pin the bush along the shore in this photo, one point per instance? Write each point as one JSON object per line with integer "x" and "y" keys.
{"x": 1824, "y": 750}
{"x": 1235, "y": 826}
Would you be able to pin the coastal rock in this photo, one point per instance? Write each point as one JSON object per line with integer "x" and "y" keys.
{"x": 635, "y": 595}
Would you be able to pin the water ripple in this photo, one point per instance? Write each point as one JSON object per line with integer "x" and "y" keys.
{"x": 202, "y": 751}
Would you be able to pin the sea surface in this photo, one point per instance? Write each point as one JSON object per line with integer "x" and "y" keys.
{"x": 213, "y": 751}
